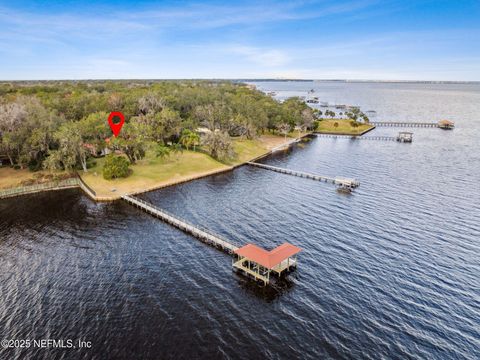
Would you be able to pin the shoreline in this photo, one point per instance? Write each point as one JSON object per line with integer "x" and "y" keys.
{"x": 92, "y": 194}
{"x": 346, "y": 132}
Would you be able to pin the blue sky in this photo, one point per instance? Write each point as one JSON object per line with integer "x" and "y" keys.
{"x": 364, "y": 39}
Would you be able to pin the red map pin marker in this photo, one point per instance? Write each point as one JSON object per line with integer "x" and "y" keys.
{"x": 116, "y": 127}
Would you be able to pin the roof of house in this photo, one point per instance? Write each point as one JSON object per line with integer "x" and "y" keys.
{"x": 89, "y": 146}
{"x": 268, "y": 259}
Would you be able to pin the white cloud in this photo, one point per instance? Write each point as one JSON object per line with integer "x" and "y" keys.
{"x": 228, "y": 41}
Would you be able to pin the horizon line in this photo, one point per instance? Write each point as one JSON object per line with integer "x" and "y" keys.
{"x": 247, "y": 79}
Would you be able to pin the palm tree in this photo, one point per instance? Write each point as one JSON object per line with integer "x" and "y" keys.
{"x": 162, "y": 151}
{"x": 177, "y": 150}
{"x": 189, "y": 138}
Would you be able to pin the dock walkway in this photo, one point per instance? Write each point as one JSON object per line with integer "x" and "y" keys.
{"x": 405, "y": 124}
{"x": 204, "y": 235}
{"x": 337, "y": 180}
{"x": 398, "y": 138}
{"x": 358, "y": 137}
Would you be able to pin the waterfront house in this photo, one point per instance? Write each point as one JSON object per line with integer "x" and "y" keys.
{"x": 95, "y": 151}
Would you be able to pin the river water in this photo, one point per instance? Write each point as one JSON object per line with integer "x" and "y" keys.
{"x": 391, "y": 271}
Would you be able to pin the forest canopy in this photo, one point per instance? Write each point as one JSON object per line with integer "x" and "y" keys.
{"x": 60, "y": 124}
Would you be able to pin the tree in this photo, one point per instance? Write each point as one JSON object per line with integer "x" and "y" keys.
{"x": 354, "y": 113}
{"x": 71, "y": 150}
{"x": 115, "y": 167}
{"x": 307, "y": 119}
{"x": 58, "y": 125}
{"x": 219, "y": 145}
{"x": 214, "y": 116}
{"x": 284, "y": 129}
{"x": 94, "y": 130}
{"x": 330, "y": 113}
{"x": 150, "y": 103}
{"x": 335, "y": 124}
{"x": 160, "y": 126}
{"x": 189, "y": 139}
{"x": 115, "y": 102}
{"x": 177, "y": 150}
{"x": 12, "y": 116}
{"x": 170, "y": 124}
{"x": 162, "y": 151}
{"x": 132, "y": 141}
{"x": 26, "y": 129}
{"x": 318, "y": 113}
{"x": 54, "y": 160}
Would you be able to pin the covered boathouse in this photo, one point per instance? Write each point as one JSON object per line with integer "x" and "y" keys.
{"x": 446, "y": 124}
{"x": 260, "y": 263}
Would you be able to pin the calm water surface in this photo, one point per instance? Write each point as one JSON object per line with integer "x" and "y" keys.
{"x": 391, "y": 271}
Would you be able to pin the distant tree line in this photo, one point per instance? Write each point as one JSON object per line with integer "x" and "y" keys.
{"x": 353, "y": 113}
{"x": 59, "y": 125}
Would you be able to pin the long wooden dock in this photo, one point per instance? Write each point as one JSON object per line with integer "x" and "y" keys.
{"x": 354, "y": 137}
{"x": 203, "y": 235}
{"x": 405, "y": 124}
{"x": 336, "y": 181}
{"x": 358, "y": 137}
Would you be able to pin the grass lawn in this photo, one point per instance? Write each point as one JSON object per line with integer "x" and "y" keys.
{"x": 247, "y": 150}
{"x": 344, "y": 127}
{"x": 152, "y": 172}
{"x": 10, "y": 178}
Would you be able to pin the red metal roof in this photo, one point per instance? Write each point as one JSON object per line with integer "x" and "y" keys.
{"x": 268, "y": 259}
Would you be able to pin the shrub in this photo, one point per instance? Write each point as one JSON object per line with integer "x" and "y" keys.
{"x": 115, "y": 167}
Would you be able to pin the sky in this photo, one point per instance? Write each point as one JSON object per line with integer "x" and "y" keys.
{"x": 326, "y": 39}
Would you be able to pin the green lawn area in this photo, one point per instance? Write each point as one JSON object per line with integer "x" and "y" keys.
{"x": 11, "y": 178}
{"x": 247, "y": 150}
{"x": 152, "y": 172}
{"x": 344, "y": 127}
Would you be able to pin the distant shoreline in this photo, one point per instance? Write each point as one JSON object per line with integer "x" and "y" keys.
{"x": 32, "y": 81}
